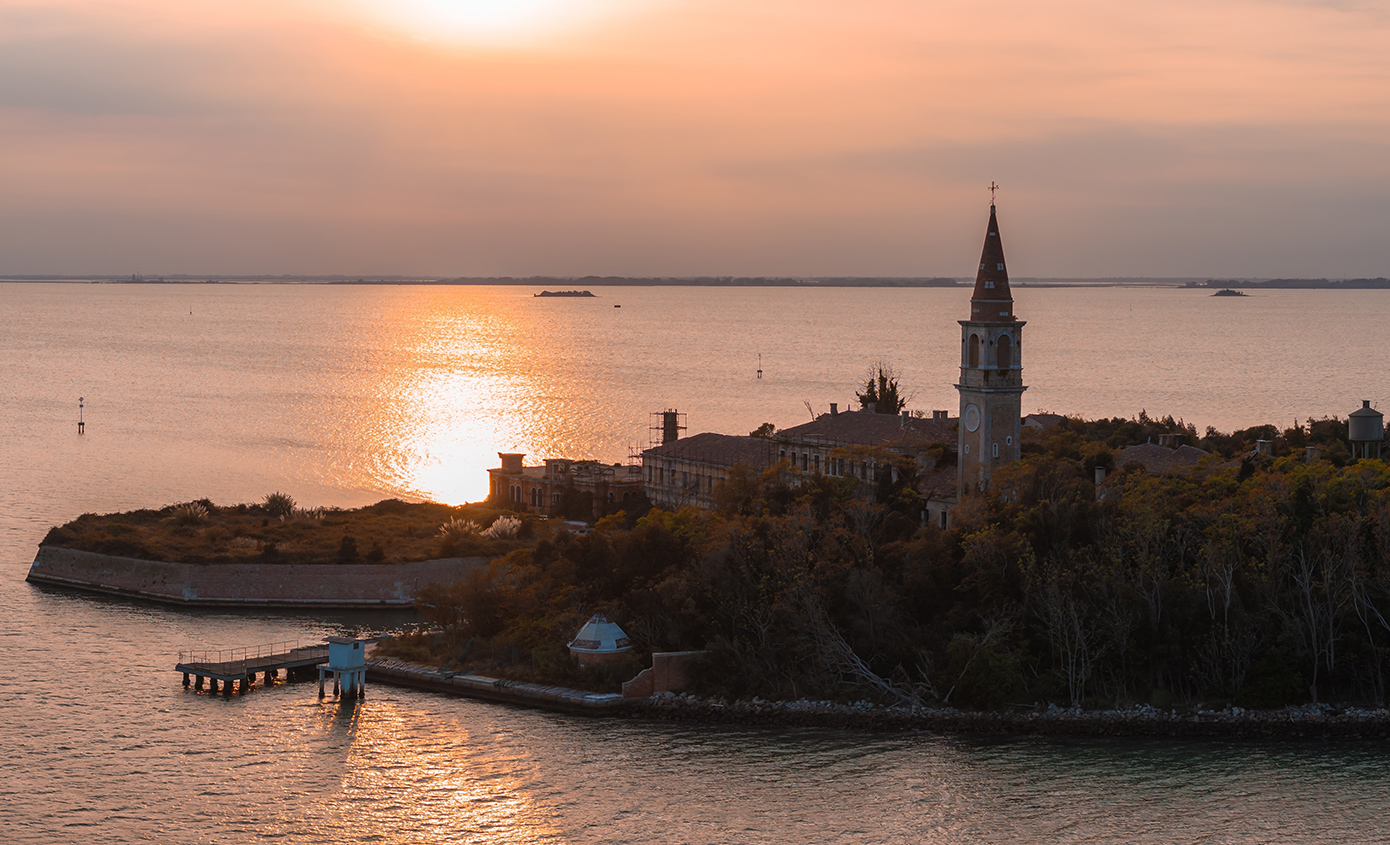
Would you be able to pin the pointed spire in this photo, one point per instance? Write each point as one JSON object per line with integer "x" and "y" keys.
{"x": 992, "y": 299}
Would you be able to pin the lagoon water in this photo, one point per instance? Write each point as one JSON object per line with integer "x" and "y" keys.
{"x": 345, "y": 395}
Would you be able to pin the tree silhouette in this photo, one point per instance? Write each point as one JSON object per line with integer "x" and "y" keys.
{"x": 881, "y": 391}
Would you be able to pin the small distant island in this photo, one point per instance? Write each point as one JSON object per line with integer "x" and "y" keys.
{"x": 1229, "y": 292}
{"x": 564, "y": 293}
{"x": 1380, "y": 283}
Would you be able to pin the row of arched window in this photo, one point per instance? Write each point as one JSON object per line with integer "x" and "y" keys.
{"x": 1003, "y": 351}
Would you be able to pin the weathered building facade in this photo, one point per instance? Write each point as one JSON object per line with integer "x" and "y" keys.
{"x": 685, "y": 471}
{"x": 562, "y": 487}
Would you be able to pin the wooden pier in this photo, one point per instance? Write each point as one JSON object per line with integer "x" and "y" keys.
{"x": 228, "y": 668}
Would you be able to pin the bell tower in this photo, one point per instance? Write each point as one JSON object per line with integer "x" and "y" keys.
{"x": 991, "y": 371}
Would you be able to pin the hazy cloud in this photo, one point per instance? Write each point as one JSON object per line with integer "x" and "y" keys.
{"x": 810, "y": 137}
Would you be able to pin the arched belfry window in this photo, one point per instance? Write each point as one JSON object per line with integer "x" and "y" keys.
{"x": 974, "y": 350}
{"x": 1005, "y": 352}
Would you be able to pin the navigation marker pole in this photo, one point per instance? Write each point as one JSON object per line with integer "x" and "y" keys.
{"x": 81, "y": 426}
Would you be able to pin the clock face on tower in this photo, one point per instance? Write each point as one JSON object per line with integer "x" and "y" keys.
{"x": 972, "y": 417}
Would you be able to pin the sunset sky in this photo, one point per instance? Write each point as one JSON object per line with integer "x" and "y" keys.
{"x": 676, "y": 137}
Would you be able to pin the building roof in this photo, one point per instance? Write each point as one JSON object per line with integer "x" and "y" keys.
{"x": 1367, "y": 411}
{"x": 599, "y": 636}
{"x": 1157, "y": 459}
{"x": 992, "y": 295}
{"x": 1043, "y": 420}
{"x": 939, "y": 482}
{"x": 718, "y": 450}
{"x": 863, "y": 428}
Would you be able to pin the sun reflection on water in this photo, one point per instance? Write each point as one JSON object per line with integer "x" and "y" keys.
{"x": 433, "y": 424}
{"x": 450, "y": 787}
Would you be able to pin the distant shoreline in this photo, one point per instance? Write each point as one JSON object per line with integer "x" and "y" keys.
{"x": 1188, "y": 283}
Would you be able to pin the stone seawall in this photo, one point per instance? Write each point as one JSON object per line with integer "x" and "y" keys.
{"x": 404, "y": 674}
{"x": 365, "y": 585}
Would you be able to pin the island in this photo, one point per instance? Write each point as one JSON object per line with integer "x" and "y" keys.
{"x": 564, "y": 293}
{"x": 274, "y": 553}
{"x": 1123, "y": 576}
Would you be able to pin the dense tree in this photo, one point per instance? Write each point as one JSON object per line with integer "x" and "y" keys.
{"x": 1255, "y": 580}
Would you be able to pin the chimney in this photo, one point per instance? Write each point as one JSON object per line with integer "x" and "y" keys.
{"x": 939, "y": 416}
{"x": 834, "y": 409}
{"x": 670, "y": 427}
{"x": 906, "y": 415}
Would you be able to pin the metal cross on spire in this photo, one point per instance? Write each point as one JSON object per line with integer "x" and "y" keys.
{"x": 992, "y": 188}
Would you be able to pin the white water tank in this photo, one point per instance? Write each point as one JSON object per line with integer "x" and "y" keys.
{"x": 1365, "y": 430}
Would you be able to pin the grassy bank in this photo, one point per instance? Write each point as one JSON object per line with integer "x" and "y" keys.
{"x": 277, "y": 531}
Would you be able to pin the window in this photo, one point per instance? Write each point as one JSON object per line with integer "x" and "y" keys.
{"x": 974, "y": 350}
{"x": 989, "y": 284}
{"x": 1001, "y": 265}
{"x": 994, "y": 450}
{"x": 943, "y": 517}
{"x": 1005, "y": 352}
{"x": 554, "y": 498}
{"x": 967, "y": 448}
{"x": 817, "y": 463}
{"x": 650, "y": 472}
{"x": 805, "y": 461}
{"x": 1009, "y": 441}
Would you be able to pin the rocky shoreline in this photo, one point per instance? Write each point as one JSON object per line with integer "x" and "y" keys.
{"x": 1317, "y": 721}
{"x": 1311, "y": 721}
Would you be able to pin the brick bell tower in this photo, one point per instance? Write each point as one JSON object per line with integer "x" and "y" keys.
{"x": 991, "y": 371}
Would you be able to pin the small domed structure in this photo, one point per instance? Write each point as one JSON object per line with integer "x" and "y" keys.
{"x": 1365, "y": 430}
{"x": 599, "y": 642}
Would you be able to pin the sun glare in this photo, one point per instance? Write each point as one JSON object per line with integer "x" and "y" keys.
{"x": 489, "y": 21}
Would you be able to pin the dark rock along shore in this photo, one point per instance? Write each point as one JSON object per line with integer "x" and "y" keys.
{"x": 1313, "y": 721}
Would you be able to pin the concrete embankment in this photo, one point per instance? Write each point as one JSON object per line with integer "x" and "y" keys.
{"x": 403, "y": 674}
{"x": 356, "y": 586}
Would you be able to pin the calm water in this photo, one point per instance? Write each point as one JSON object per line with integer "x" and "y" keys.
{"x": 345, "y": 395}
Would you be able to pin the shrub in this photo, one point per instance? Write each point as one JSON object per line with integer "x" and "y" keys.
{"x": 279, "y": 504}
{"x": 503, "y": 528}
{"x": 190, "y": 513}
{"x": 457, "y": 529}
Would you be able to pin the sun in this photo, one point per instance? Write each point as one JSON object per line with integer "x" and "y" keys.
{"x": 496, "y": 22}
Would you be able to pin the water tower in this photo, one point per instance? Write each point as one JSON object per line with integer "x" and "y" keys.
{"x": 1365, "y": 430}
